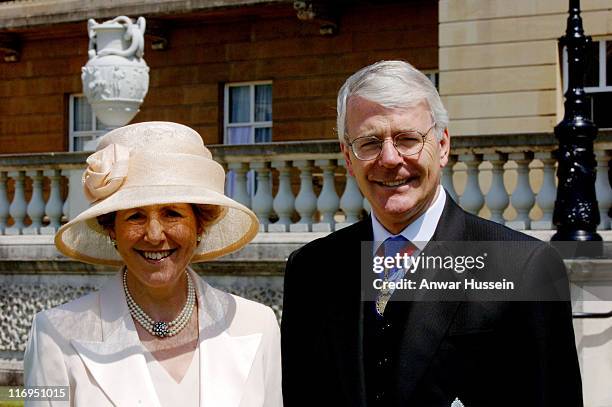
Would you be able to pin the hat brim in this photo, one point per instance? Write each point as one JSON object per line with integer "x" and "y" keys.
{"x": 83, "y": 238}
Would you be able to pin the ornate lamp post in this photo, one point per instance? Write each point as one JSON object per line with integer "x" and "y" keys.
{"x": 116, "y": 77}
{"x": 576, "y": 214}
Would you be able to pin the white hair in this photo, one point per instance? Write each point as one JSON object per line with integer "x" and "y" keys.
{"x": 391, "y": 84}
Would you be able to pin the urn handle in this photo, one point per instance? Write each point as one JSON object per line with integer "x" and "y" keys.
{"x": 133, "y": 33}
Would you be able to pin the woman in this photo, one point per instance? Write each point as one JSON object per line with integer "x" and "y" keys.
{"x": 156, "y": 334}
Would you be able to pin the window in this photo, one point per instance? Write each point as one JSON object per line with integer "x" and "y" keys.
{"x": 248, "y": 113}
{"x": 84, "y": 128}
{"x": 598, "y": 80}
{"x": 247, "y": 120}
{"x": 434, "y": 77}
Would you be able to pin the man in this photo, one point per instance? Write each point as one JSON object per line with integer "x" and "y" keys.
{"x": 341, "y": 349}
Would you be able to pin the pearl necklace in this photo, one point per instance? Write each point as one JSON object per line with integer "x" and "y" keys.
{"x": 162, "y": 329}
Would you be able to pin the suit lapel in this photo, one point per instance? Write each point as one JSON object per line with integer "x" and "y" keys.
{"x": 427, "y": 322}
{"x": 117, "y": 363}
{"x": 225, "y": 360}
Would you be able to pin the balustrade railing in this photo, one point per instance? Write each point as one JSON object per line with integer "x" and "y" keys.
{"x": 304, "y": 186}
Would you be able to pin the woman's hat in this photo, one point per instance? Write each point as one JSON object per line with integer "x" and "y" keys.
{"x": 147, "y": 164}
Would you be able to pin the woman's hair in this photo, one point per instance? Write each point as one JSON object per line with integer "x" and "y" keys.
{"x": 391, "y": 84}
{"x": 206, "y": 216}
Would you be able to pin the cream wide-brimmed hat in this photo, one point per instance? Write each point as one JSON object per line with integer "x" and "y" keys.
{"x": 147, "y": 164}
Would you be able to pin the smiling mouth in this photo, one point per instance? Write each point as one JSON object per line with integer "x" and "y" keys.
{"x": 395, "y": 183}
{"x": 156, "y": 255}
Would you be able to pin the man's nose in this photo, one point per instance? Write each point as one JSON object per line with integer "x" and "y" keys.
{"x": 154, "y": 232}
{"x": 389, "y": 156}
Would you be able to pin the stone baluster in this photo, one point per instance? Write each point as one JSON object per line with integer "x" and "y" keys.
{"x": 67, "y": 208}
{"x": 602, "y": 188}
{"x": 351, "y": 201}
{"x": 472, "y": 199}
{"x": 497, "y": 198}
{"x": 18, "y": 207}
{"x": 447, "y": 177}
{"x": 523, "y": 197}
{"x": 328, "y": 201}
{"x": 262, "y": 200}
{"x": 306, "y": 200}
{"x": 241, "y": 193}
{"x": 284, "y": 202}
{"x": 36, "y": 206}
{"x": 55, "y": 207}
{"x": 4, "y": 202}
{"x": 548, "y": 193}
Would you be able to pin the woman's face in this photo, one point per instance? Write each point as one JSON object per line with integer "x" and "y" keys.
{"x": 156, "y": 242}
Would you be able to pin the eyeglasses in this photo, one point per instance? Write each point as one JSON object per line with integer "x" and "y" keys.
{"x": 407, "y": 143}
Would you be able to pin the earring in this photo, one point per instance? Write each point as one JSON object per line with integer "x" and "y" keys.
{"x": 114, "y": 243}
{"x": 199, "y": 239}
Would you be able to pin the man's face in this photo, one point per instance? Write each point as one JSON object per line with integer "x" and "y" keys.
{"x": 395, "y": 205}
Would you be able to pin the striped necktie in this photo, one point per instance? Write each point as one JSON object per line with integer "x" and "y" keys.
{"x": 390, "y": 248}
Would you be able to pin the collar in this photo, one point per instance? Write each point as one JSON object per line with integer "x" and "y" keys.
{"x": 118, "y": 365}
{"x": 421, "y": 230}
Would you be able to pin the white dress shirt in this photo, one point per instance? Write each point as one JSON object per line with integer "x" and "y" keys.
{"x": 418, "y": 232}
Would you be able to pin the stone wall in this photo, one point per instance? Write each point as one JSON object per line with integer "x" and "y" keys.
{"x": 499, "y": 62}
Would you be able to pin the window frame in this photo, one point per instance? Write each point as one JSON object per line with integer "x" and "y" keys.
{"x": 251, "y": 123}
{"x": 434, "y": 77}
{"x": 603, "y": 87}
{"x": 74, "y": 134}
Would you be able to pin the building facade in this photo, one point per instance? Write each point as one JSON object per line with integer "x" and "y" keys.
{"x": 247, "y": 73}
{"x": 208, "y": 50}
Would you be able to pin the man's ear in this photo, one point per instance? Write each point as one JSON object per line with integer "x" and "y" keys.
{"x": 111, "y": 234}
{"x": 347, "y": 157}
{"x": 444, "y": 148}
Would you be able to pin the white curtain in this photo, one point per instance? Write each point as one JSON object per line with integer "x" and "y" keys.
{"x": 263, "y": 103}
{"x": 239, "y": 104}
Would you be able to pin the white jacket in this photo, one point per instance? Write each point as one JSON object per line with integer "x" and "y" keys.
{"x": 91, "y": 345}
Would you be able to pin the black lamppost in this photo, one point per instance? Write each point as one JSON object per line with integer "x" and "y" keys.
{"x": 576, "y": 215}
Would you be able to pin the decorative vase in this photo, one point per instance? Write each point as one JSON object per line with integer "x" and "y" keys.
{"x": 116, "y": 77}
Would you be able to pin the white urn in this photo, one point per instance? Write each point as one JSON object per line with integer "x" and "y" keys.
{"x": 116, "y": 77}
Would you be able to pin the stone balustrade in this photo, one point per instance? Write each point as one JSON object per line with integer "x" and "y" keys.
{"x": 304, "y": 186}
{"x": 292, "y": 187}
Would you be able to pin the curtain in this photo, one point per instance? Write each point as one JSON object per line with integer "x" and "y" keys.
{"x": 263, "y": 135}
{"x": 239, "y": 104}
{"x": 263, "y": 103}
{"x": 81, "y": 114}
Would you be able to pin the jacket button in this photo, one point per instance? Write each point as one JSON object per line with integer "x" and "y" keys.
{"x": 384, "y": 362}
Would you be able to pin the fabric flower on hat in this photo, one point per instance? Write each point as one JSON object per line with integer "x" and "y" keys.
{"x": 106, "y": 171}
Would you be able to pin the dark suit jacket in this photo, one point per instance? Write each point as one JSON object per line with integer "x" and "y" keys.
{"x": 484, "y": 353}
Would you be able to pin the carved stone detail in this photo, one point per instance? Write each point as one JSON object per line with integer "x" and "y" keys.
{"x": 19, "y": 303}
{"x": 325, "y": 13}
{"x": 116, "y": 77}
